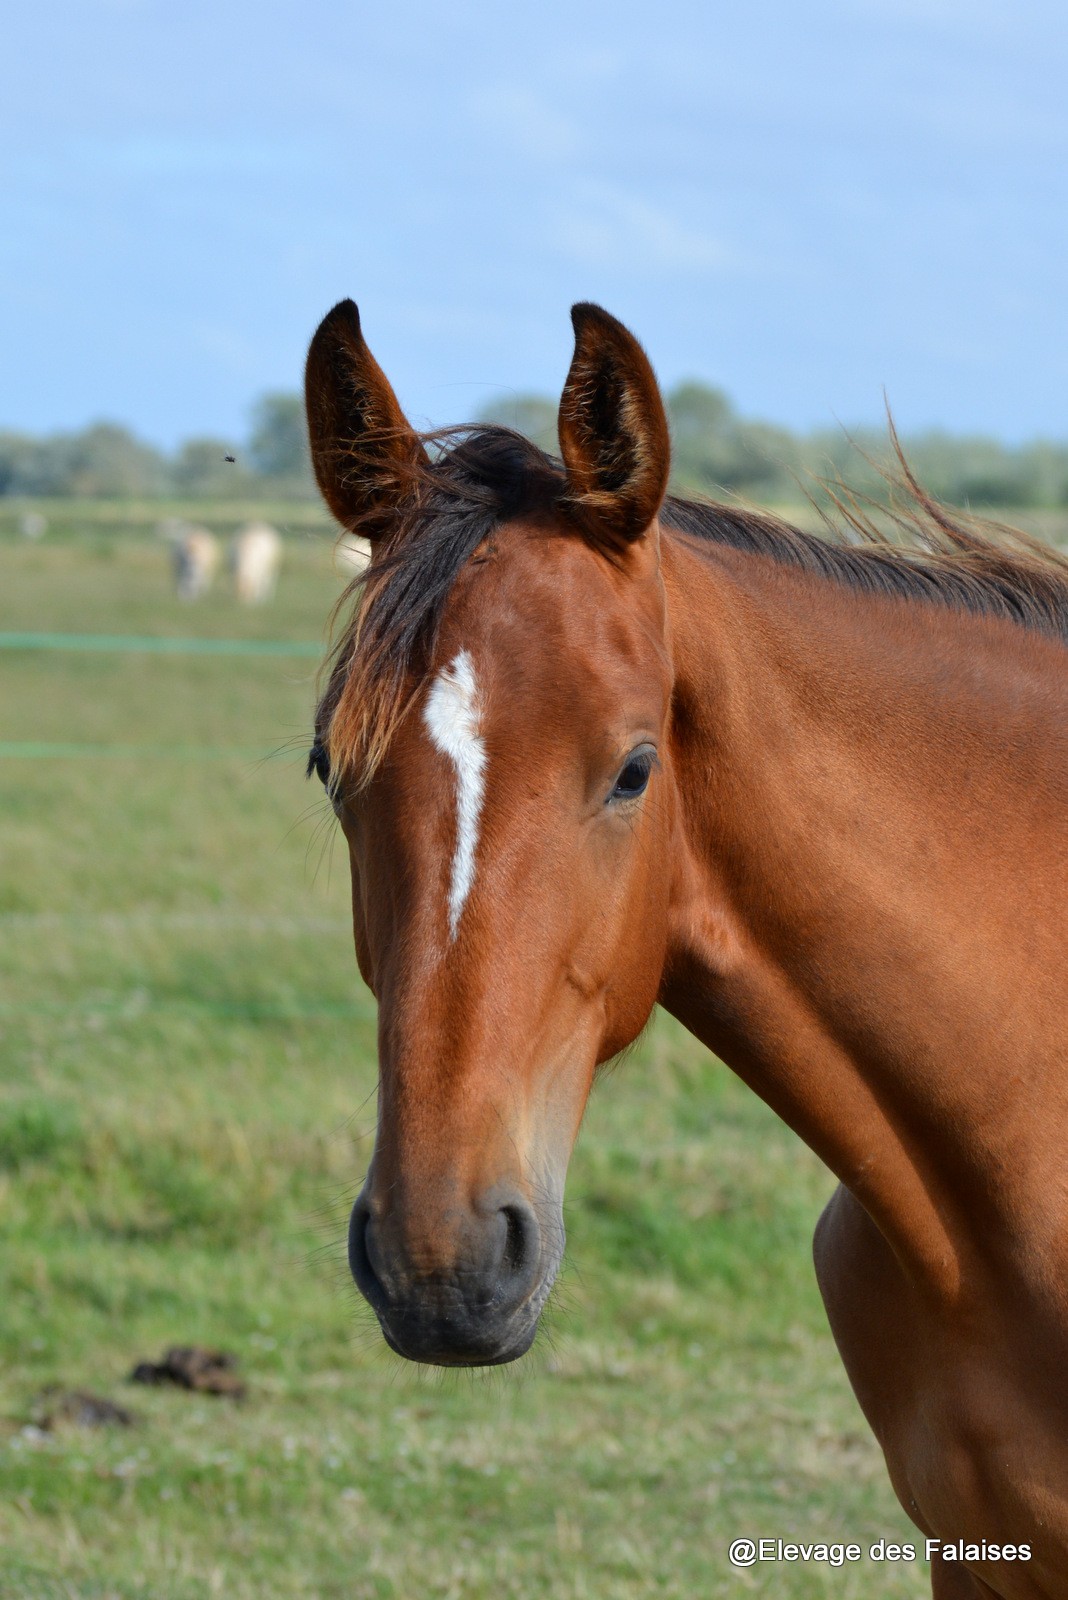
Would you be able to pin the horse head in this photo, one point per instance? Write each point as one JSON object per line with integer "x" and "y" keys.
{"x": 495, "y": 739}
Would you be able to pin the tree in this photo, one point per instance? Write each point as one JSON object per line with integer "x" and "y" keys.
{"x": 103, "y": 461}
{"x": 713, "y": 449}
{"x": 529, "y": 414}
{"x": 17, "y": 457}
{"x": 201, "y": 467}
{"x": 279, "y": 443}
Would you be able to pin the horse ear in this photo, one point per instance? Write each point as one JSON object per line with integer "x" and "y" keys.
{"x": 613, "y": 432}
{"x": 365, "y": 452}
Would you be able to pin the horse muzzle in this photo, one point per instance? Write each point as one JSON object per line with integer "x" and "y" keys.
{"x": 465, "y": 1288}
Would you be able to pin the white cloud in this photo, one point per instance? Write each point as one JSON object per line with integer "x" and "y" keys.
{"x": 528, "y": 121}
{"x": 232, "y": 351}
{"x": 601, "y": 225}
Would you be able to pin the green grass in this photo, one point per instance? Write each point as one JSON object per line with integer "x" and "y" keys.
{"x": 185, "y": 1115}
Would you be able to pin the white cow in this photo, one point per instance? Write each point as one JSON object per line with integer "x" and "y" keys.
{"x": 196, "y": 560}
{"x": 257, "y": 555}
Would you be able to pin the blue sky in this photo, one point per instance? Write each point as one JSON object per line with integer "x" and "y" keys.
{"x": 802, "y": 203}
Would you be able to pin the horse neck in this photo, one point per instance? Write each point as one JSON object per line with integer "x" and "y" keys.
{"x": 872, "y": 865}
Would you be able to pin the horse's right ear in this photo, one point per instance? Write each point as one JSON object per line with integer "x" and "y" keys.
{"x": 365, "y": 452}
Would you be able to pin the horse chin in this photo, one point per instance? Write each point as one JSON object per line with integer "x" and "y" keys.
{"x": 444, "y": 1328}
{"x": 433, "y": 1345}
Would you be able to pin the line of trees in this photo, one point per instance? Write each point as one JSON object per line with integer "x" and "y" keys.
{"x": 107, "y": 461}
{"x": 716, "y": 451}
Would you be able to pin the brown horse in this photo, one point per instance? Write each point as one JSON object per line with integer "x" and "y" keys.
{"x": 593, "y": 750}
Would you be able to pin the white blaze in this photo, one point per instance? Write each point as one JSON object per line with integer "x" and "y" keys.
{"x": 452, "y": 718}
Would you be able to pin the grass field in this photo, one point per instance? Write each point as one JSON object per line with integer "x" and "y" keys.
{"x": 186, "y": 1110}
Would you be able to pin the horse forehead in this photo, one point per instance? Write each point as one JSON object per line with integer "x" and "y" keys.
{"x": 539, "y": 603}
{"x": 560, "y": 684}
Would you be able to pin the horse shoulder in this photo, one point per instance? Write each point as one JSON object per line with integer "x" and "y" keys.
{"x": 949, "y": 1406}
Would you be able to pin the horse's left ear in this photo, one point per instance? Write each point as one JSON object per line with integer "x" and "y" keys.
{"x": 613, "y": 432}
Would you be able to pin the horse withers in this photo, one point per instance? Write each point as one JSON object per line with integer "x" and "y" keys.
{"x": 595, "y": 748}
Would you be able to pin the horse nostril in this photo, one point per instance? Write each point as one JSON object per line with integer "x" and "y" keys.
{"x": 521, "y": 1244}
{"x": 360, "y": 1264}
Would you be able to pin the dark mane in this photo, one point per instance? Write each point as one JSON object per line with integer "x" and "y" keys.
{"x": 950, "y": 559}
{"x": 483, "y": 476}
{"x": 477, "y": 479}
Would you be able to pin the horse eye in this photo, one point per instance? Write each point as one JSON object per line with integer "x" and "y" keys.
{"x": 319, "y": 763}
{"x": 632, "y": 781}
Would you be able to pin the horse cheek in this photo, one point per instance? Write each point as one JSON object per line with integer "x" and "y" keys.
{"x": 638, "y": 971}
